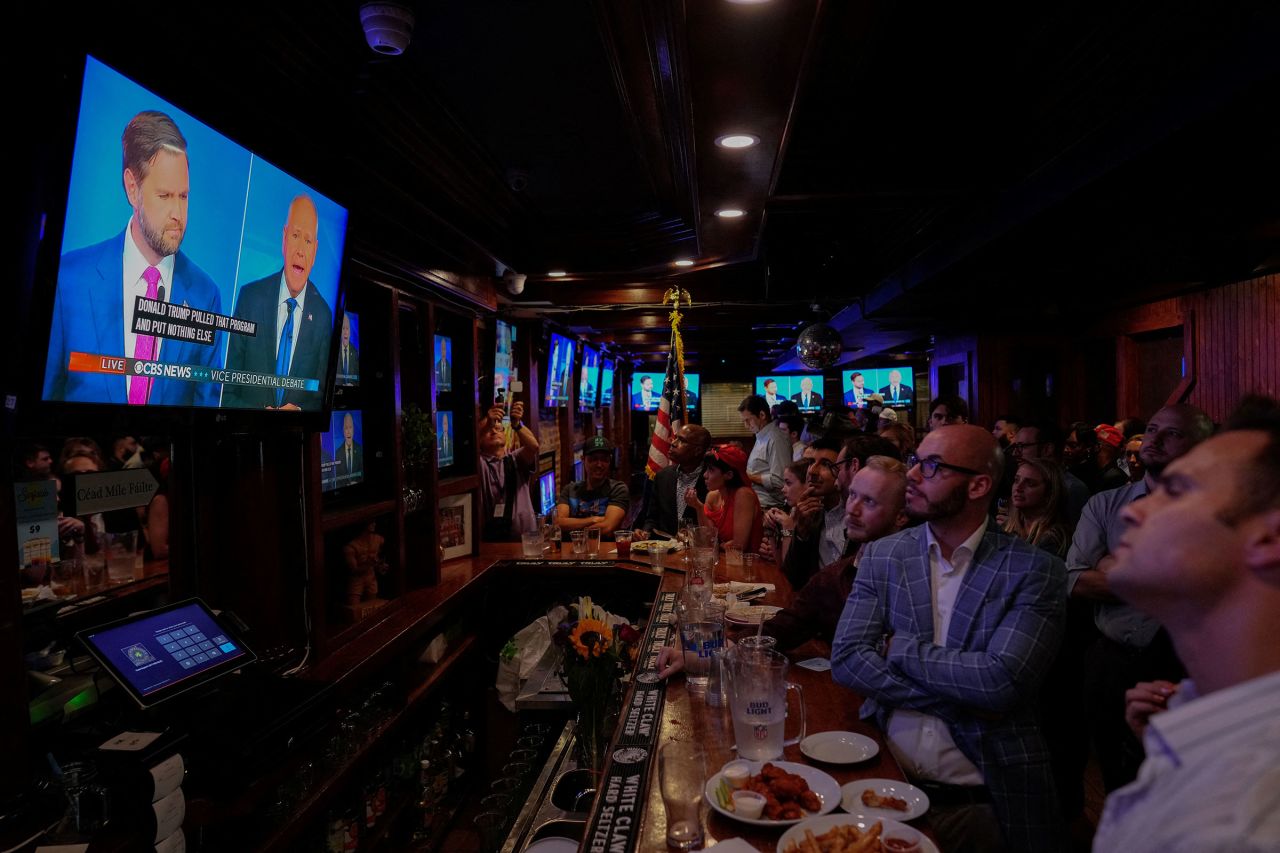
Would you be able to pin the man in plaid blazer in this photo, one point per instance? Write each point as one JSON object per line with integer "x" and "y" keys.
{"x": 948, "y": 631}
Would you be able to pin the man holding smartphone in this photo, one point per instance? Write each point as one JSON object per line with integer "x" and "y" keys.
{"x": 505, "y": 505}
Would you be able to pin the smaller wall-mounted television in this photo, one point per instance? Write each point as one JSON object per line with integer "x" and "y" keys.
{"x": 894, "y": 384}
{"x": 503, "y": 360}
{"x": 589, "y": 382}
{"x": 444, "y": 363}
{"x": 342, "y": 452}
{"x": 559, "y": 371}
{"x": 805, "y": 390}
{"x": 646, "y": 391}
{"x": 606, "y": 381}
{"x": 444, "y": 439}
{"x": 547, "y": 492}
{"x": 692, "y": 391}
{"x": 348, "y": 370}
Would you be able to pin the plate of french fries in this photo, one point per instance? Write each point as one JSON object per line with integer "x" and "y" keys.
{"x": 842, "y": 833}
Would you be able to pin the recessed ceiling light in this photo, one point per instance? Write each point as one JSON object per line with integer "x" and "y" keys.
{"x": 684, "y": 262}
{"x": 730, "y": 212}
{"x": 737, "y": 140}
{"x": 557, "y": 274}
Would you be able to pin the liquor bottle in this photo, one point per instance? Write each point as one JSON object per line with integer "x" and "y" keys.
{"x": 426, "y": 804}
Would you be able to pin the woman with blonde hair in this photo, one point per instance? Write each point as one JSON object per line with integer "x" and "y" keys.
{"x": 1038, "y": 514}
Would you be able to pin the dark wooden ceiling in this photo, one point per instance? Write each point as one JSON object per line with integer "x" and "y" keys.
{"x": 922, "y": 169}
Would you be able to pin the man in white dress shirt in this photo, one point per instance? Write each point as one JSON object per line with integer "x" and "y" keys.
{"x": 1202, "y": 555}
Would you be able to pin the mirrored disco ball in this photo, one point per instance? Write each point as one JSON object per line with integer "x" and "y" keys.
{"x": 819, "y": 346}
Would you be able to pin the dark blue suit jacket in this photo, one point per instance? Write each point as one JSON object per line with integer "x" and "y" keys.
{"x": 88, "y": 316}
{"x": 257, "y": 302}
{"x": 1005, "y": 630}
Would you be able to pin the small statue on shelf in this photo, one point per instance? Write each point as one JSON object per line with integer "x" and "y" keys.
{"x": 364, "y": 560}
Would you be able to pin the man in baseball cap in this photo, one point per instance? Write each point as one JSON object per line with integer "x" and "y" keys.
{"x": 596, "y": 503}
{"x": 1110, "y": 440}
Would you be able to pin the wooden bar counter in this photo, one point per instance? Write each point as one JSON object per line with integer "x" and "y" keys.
{"x": 687, "y": 718}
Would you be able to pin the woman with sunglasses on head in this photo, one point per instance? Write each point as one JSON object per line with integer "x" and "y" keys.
{"x": 734, "y": 511}
{"x": 780, "y": 524}
{"x": 1038, "y": 514}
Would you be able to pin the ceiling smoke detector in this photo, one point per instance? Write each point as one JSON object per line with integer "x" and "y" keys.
{"x": 388, "y": 27}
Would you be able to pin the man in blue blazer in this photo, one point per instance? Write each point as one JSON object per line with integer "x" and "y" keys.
{"x": 301, "y": 330}
{"x": 93, "y": 306}
{"x": 948, "y": 632}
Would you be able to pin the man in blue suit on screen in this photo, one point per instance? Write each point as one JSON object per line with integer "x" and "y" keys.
{"x": 294, "y": 322}
{"x": 98, "y": 285}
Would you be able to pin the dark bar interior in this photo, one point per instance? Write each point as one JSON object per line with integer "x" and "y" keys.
{"x": 604, "y": 344}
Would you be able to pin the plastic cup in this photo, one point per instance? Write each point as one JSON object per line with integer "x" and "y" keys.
{"x": 531, "y": 543}
{"x": 622, "y": 538}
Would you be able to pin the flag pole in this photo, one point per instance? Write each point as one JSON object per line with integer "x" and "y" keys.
{"x": 675, "y": 295}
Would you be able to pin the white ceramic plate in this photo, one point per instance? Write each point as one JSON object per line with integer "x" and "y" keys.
{"x": 820, "y": 783}
{"x": 666, "y": 545}
{"x": 839, "y": 747}
{"x": 752, "y": 614}
{"x": 917, "y": 800}
{"x": 553, "y": 844}
{"x": 819, "y": 825}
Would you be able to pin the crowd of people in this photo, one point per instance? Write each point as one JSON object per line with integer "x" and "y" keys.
{"x": 1011, "y": 600}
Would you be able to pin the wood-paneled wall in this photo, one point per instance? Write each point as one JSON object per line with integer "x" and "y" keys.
{"x": 1233, "y": 342}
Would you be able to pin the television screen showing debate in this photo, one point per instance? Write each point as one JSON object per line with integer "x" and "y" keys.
{"x": 559, "y": 371}
{"x": 893, "y": 384}
{"x": 589, "y": 382}
{"x": 606, "y": 382}
{"x": 803, "y": 390}
{"x": 193, "y": 273}
{"x": 341, "y": 452}
{"x": 348, "y": 370}
{"x": 646, "y": 391}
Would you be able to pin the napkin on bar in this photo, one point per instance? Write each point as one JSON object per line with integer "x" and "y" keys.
{"x": 732, "y": 845}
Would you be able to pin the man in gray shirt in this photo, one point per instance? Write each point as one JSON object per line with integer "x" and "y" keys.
{"x": 771, "y": 454}
{"x": 1133, "y": 646}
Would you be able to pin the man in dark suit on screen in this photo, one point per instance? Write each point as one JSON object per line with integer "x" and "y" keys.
{"x": 895, "y": 391}
{"x": 348, "y": 457}
{"x": 444, "y": 370}
{"x": 807, "y": 399}
{"x": 294, "y": 322}
{"x": 348, "y": 355}
{"x": 98, "y": 285}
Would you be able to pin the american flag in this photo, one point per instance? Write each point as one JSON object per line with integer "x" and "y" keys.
{"x": 670, "y": 408}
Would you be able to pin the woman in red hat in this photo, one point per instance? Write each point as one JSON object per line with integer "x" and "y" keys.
{"x": 731, "y": 506}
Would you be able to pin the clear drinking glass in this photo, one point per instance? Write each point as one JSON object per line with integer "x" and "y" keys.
{"x": 749, "y": 568}
{"x": 593, "y": 541}
{"x": 532, "y": 543}
{"x": 732, "y": 555}
{"x": 701, "y": 633}
{"x": 682, "y": 772}
{"x": 579, "y": 540}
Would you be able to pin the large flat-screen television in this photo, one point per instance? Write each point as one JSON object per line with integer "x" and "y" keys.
{"x": 894, "y": 384}
{"x": 803, "y": 389}
{"x": 342, "y": 452}
{"x": 503, "y": 360}
{"x": 606, "y": 381}
{"x": 192, "y": 273}
{"x": 589, "y": 382}
{"x": 559, "y": 371}
{"x": 347, "y": 372}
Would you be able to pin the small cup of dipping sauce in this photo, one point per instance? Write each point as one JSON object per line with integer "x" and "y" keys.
{"x": 736, "y": 773}
{"x": 750, "y": 805}
{"x": 905, "y": 840}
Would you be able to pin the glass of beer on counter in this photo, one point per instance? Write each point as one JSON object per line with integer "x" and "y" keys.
{"x": 682, "y": 773}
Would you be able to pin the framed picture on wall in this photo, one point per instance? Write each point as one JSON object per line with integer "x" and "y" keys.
{"x": 455, "y": 526}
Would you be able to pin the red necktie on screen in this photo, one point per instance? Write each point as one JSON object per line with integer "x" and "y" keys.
{"x": 145, "y": 346}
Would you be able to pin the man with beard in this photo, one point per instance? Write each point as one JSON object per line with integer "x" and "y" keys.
{"x": 819, "y": 531}
{"x": 664, "y": 507}
{"x": 875, "y": 509}
{"x": 1202, "y": 554}
{"x": 98, "y": 286}
{"x": 1133, "y": 647}
{"x": 948, "y": 632}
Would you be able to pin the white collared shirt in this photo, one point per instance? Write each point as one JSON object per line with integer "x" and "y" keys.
{"x": 135, "y": 285}
{"x": 922, "y": 743}
{"x": 833, "y": 538}
{"x": 282, "y": 316}
{"x": 1211, "y": 780}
